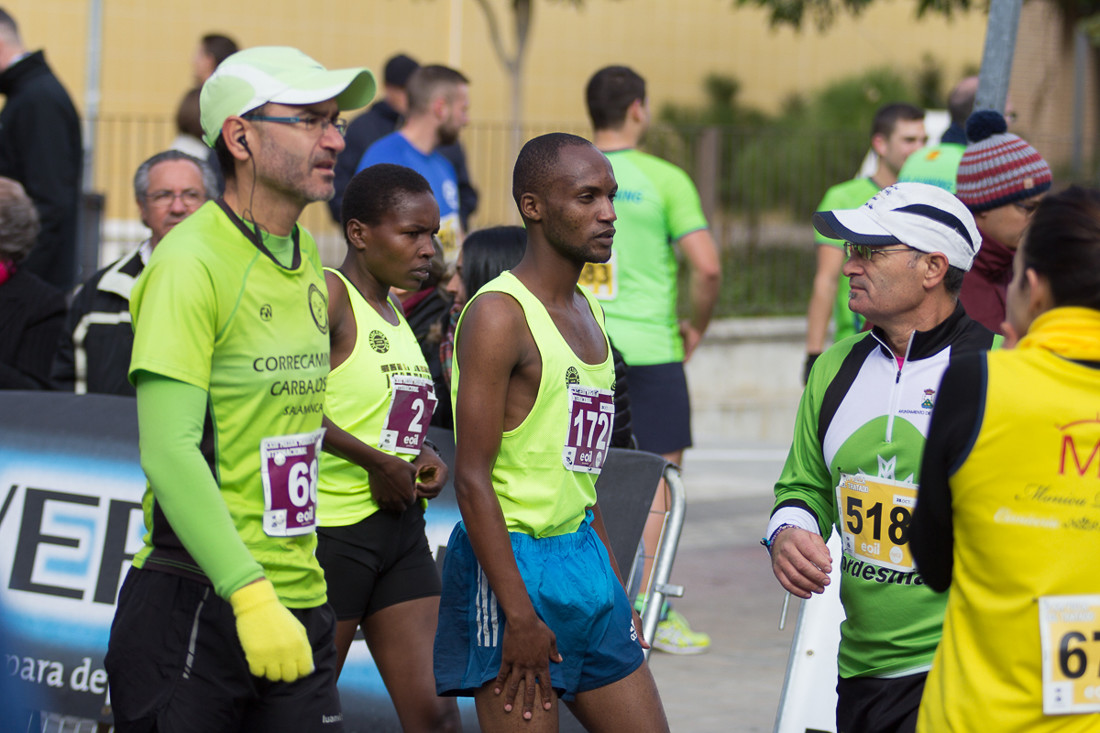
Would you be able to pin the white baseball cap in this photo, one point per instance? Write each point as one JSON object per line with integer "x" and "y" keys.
{"x": 924, "y": 217}
{"x": 279, "y": 74}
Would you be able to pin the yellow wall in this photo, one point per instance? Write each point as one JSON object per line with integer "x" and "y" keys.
{"x": 147, "y": 46}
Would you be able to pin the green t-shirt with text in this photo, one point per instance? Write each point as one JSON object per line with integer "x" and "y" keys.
{"x": 656, "y": 205}
{"x": 215, "y": 311}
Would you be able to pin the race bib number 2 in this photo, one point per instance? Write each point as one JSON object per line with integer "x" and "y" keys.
{"x": 289, "y": 467}
{"x": 1069, "y": 629}
{"x": 411, "y": 408}
{"x": 874, "y": 519}
{"x": 591, "y": 418}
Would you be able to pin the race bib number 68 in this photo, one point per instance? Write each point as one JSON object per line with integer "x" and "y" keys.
{"x": 289, "y": 468}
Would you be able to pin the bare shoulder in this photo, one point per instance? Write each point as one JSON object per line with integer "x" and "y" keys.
{"x": 490, "y": 315}
{"x": 338, "y": 302}
{"x": 493, "y": 332}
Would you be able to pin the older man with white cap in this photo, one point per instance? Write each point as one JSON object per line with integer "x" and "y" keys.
{"x": 854, "y": 462}
{"x": 222, "y": 623}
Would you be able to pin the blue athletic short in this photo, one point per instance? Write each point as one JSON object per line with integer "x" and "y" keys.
{"x": 574, "y": 591}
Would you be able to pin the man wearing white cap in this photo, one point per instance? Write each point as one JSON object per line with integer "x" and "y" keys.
{"x": 860, "y": 430}
{"x": 222, "y": 623}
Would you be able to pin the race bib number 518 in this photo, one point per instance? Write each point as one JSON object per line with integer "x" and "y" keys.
{"x": 591, "y": 417}
{"x": 874, "y": 519}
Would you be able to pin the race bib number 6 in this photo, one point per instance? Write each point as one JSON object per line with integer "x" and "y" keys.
{"x": 288, "y": 465}
{"x": 1069, "y": 630}
{"x": 591, "y": 417}
{"x": 874, "y": 519}
{"x": 411, "y": 408}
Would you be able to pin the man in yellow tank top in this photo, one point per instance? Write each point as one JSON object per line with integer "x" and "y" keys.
{"x": 533, "y": 609}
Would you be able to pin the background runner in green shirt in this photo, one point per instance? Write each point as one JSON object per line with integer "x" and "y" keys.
{"x": 897, "y": 131}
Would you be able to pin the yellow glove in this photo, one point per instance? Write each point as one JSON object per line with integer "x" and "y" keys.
{"x": 274, "y": 641}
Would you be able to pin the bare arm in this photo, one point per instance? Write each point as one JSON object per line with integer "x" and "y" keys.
{"x": 494, "y": 342}
{"x": 706, "y": 281}
{"x": 392, "y": 479}
{"x": 830, "y": 260}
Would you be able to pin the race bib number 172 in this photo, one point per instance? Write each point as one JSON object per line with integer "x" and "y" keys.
{"x": 591, "y": 418}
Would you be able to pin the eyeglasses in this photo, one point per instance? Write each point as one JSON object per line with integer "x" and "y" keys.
{"x": 309, "y": 122}
{"x": 190, "y": 197}
{"x": 867, "y": 252}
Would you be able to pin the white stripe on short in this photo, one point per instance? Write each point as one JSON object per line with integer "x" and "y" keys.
{"x": 488, "y": 617}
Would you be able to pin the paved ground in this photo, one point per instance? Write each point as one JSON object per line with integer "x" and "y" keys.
{"x": 731, "y": 594}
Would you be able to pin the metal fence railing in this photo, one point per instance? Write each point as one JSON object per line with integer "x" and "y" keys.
{"x": 758, "y": 188}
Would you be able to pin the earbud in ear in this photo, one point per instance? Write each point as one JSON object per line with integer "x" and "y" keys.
{"x": 244, "y": 142}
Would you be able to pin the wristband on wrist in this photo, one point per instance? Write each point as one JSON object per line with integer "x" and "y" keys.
{"x": 430, "y": 444}
{"x": 767, "y": 542}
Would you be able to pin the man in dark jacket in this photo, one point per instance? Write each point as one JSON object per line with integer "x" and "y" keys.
{"x": 94, "y": 351}
{"x": 40, "y": 147}
{"x": 383, "y": 117}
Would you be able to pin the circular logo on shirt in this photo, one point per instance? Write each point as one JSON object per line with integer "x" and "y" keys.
{"x": 265, "y": 312}
{"x": 572, "y": 376}
{"x": 379, "y": 342}
{"x": 318, "y": 307}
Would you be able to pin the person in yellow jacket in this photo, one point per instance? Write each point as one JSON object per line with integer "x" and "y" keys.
{"x": 1008, "y": 516}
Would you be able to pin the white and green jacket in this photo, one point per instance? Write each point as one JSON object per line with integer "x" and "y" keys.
{"x": 863, "y": 420}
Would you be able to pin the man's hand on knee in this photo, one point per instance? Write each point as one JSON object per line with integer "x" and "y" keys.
{"x": 527, "y": 649}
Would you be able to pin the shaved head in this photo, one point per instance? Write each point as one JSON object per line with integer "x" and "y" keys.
{"x": 535, "y": 164}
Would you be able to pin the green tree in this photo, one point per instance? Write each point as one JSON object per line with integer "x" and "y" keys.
{"x": 824, "y": 12}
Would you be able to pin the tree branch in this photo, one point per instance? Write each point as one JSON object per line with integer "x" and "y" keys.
{"x": 507, "y": 61}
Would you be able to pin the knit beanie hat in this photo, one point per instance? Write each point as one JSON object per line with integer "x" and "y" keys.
{"x": 998, "y": 167}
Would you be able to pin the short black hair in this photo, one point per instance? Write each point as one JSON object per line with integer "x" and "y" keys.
{"x": 953, "y": 280}
{"x": 399, "y": 69}
{"x": 609, "y": 94}
{"x": 373, "y": 191}
{"x": 1062, "y": 243}
{"x": 226, "y": 161}
{"x": 218, "y": 47}
{"x": 888, "y": 116}
{"x": 488, "y": 252}
{"x": 536, "y": 161}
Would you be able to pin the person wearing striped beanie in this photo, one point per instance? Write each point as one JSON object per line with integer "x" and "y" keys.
{"x": 1001, "y": 179}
